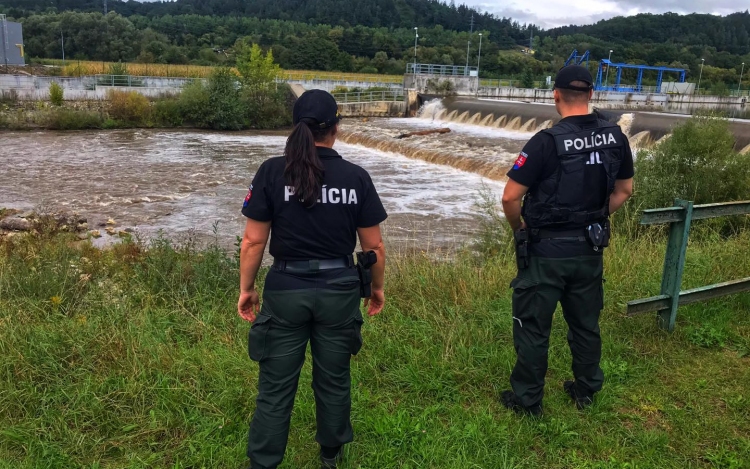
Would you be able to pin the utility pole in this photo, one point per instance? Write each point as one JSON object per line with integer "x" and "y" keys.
{"x": 739, "y": 87}
{"x": 703, "y": 61}
{"x": 105, "y": 7}
{"x": 62, "y": 41}
{"x": 416, "y": 39}
{"x": 531, "y": 40}
{"x": 468, "y": 46}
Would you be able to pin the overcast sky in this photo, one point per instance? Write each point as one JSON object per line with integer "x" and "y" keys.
{"x": 551, "y": 13}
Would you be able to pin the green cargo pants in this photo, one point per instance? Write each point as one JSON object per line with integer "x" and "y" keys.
{"x": 577, "y": 284}
{"x": 330, "y": 319}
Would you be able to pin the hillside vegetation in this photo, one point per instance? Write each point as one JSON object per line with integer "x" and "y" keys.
{"x": 371, "y": 36}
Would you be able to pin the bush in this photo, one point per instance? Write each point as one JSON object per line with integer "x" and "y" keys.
{"x": 67, "y": 119}
{"x": 268, "y": 110}
{"x": 118, "y": 69}
{"x": 56, "y": 94}
{"x": 193, "y": 104}
{"x": 214, "y": 105}
{"x": 167, "y": 113}
{"x": 444, "y": 87}
{"x": 129, "y": 107}
{"x": 697, "y": 162}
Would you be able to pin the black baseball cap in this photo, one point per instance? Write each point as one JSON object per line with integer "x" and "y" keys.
{"x": 571, "y": 73}
{"x": 318, "y": 106}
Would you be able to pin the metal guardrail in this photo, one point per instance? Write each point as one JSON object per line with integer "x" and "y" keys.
{"x": 133, "y": 81}
{"x": 443, "y": 70}
{"x": 369, "y": 97}
{"x": 348, "y": 77}
{"x": 680, "y": 217}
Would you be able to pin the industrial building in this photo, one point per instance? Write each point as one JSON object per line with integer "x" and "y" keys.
{"x": 11, "y": 43}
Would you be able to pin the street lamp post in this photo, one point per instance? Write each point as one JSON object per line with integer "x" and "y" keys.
{"x": 609, "y": 59}
{"x": 703, "y": 61}
{"x": 739, "y": 87}
{"x": 416, "y": 38}
{"x": 479, "y": 59}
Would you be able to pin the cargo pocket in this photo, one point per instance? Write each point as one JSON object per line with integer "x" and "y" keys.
{"x": 601, "y": 295}
{"x": 356, "y": 339}
{"x": 256, "y": 344}
{"x": 524, "y": 298}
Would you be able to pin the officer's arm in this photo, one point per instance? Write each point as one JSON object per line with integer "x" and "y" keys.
{"x": 251, "y": 252}
{"x": 623, "y": 191}
{"x": 512, "y": 197}
{"x": 371, "y": 240}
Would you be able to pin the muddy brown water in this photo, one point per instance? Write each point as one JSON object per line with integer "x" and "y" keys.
{"x": 192, "y": 184}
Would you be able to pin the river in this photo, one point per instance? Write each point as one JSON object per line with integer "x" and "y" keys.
{"x": 192, "y": 183}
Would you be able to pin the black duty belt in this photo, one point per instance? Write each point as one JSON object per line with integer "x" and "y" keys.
{"x": 569, "y": 235}
{"x": 314, "y": 265}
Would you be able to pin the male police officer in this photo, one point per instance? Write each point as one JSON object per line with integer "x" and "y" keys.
{"x": 570, "y": 178}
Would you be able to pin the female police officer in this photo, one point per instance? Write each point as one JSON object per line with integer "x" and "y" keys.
{"x": 314, "y": 204}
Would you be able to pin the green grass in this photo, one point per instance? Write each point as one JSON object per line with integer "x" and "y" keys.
{"x": 135, "y": 358}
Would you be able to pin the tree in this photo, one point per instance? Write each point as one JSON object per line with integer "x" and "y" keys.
{"x": 257, "y": 72}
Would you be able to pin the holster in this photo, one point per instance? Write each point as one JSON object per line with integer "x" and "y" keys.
{"x": 521, "y": 238}
{"x": 365, "y": 261}
{"x": 598, "y": 235}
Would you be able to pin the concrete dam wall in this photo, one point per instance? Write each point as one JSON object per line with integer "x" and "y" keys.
{"x": 642, "y": 127}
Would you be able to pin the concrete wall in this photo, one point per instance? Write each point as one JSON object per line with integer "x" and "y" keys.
{"x": 620, "y": 100}
{"x": 99, "y": 94}
{"x": 11, "y": 52}
{"x": 374, "y": 109}
{"x": 461, "y": 85}
{"x": 329, "y": 85}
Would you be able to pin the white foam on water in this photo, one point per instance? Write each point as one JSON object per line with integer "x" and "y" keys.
{"x": 408, "y": 185}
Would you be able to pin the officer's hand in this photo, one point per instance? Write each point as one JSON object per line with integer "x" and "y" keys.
{"x": 375, "y": 303}
{"x": 249, "y": 305}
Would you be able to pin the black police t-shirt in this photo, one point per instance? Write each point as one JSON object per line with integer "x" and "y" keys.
{"x": 327, "y": 230}
{"x": 538, "y": 161}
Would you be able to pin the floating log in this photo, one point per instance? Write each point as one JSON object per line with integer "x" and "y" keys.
{"x": 425, "y": 132}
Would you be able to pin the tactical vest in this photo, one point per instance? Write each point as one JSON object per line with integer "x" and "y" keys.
{"x": 558, "y": 200}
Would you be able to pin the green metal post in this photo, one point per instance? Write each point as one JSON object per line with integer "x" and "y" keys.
{"x": 674, "y": 264}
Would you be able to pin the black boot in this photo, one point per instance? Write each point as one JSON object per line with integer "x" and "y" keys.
{"x": 331, "y": 456}
{"x": 511, "y": 401}
{"x": 581, "y": 399}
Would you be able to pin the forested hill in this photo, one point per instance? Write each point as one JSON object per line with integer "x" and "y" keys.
{"x": 370, "y": 13}
{"x": 374, "y": 36}
{"x": 727, "y": 34}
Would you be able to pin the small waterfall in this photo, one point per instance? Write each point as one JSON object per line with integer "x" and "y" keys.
{"x": 641, "y": 139}
{"x": 489, "y": 169}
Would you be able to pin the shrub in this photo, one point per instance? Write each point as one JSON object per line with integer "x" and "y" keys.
{"x": 226, "y": 112}
{"x": 697, "y": 162}
{"x": 167, "y": 113}
{"x": 193, "y": 104}
{"x": 268, "y": 110}
{"x": 56, "y": 94}
{"x": 118, "y": 68}
{"x": 129, "y": 107}
{"x": 68, "y": 119}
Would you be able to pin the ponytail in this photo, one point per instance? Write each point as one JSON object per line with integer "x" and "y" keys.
{"x": 304, "y": 171}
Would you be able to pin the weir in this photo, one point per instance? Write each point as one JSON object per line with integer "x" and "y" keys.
{"x": 642, "y": 128}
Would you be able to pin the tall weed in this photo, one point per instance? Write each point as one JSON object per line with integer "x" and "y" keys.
{"x": 129, "y": 107}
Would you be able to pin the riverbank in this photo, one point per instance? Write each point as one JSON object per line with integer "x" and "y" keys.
{"x": 134, "y": 356}
{"x": 216, "y": 105}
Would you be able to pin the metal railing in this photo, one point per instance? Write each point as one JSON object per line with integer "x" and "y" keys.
{"x": 442, "y": 70}
{"x": 680, "y": 218}
{"x": 369, "y": 97}
{"x": 343, "y": 77}
{"x": 132, "y": 81}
